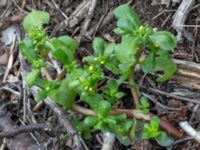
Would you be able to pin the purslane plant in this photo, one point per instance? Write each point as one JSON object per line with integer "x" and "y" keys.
{"x": 89, "y": 80}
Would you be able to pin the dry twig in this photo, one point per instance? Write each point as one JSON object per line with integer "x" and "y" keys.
{"x": 108, "y": 141}
{"x": 10, "y": 59}
{"x": 19, "y": 130}
{"x": 88, "y": 18}
{"x": 181, "y": 16}
{"x": 190, "y": 130}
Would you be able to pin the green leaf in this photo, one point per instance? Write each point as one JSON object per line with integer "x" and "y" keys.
{"x": 128, "y": 124}
{"x": 151, "y": 130}
{"x": 125, "y": 12}
{"x": 101, "y": 125}
{"x": 98, "y": 46}
{"x": 86, "y": 135}
{"x": 111, "y": 120}
{"x": 27, "y": 50}
{"x": 144, "y": 104}
{"x": 149, "y": 64}
{"x": 112, "y": 67}
{"x": 123, "y": 139}
{"x": 119, "y": 95}
{"x": 103, "y": 108}
{"x": 69, "y": 42}
{"x": 125, "y": 52}
{"x": 74, "y": 84}
{"x": 125, "y": 25}
{"x": 163, "y": 39}
{"x": 32, "y": 77}
{"x": 62, "y": 49}
{"x": 64, "y": 95}
{"x": 119, "y": 31}
{"x": 57, "y": 52}
{"x": 164, "y": 63}
{"x": 155, "y": 122}
{"x": 111, "y": 87}
{"x": 90, "y": 121}
{"x": 164, "y": 139}
{"x": 35, "y": 19}
{"x": 41, "y": 95}
{"x": 109, "y": 50}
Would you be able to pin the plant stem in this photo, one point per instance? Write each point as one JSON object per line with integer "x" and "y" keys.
{"x": 134, "y": 92}
{"x": 83, "y": 110}
{"x": 133, "y": 113}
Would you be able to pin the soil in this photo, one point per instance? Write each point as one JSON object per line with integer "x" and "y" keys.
{"x": 17, "y": 103}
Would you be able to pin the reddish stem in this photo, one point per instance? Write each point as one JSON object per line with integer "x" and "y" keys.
{"x": 131, "y": 113}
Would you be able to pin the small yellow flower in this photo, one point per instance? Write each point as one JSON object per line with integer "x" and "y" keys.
{"x": 141, "y": 28}
{"x": 102, "y": 62}
{"x": 90, "y": 89}
{"x": 90, "y": 68}
{"x": 86, "y": 87}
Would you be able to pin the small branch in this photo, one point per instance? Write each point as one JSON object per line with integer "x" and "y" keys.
{"x": 173, "y": 95}
{"x": 88, "y": 18}
{"x": 22, "y": 129}
{"x": 46, "y": 72}
{"x": 78, "y": 14}
{"x": 20, "y": 141}
{"x": 63, "y": 120}
{"x": 190, "y": 130}
{"x": 60, "y": 75}
{"x": 108, "y": 141}
{"x": 7, "y": 21}
{"x": 10, "y": 59}
{"x": 181, "y": 16}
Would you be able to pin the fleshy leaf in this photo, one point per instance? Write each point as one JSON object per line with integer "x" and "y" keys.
{"x": 27, "y": 50}
{"x": 163, "y": 39}
{"x": 62, "y": 48}
{"x": 125, "y": 25}
{"x": 109, "y": 50}
{"x": 127, "y": 13}
{"x": 64, "y": 95}
{"x": 98, "y": 46}
{"x": 103, "y": 108}
{"x": 155, "y": 122}
{"x": 86, "y": 135}
{"x": 149, "y": 64}
{"x": 164, "y": 139}
{"x": 144, "y": 104}
{"x": 164, "y": 63}
{"x": 32, "y": 77}
{"x": 125, "y": 51}
{"x": 69, "y": 42}
{"x": 90, "y": 121}
{"x": 41, "y": 95}
{"x": 123, "y": 139}
{"x": 35, "y": 19}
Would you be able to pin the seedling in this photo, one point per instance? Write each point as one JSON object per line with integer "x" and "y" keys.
{"x": 139, "y": 45}
{"x": 152, "y": 131}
